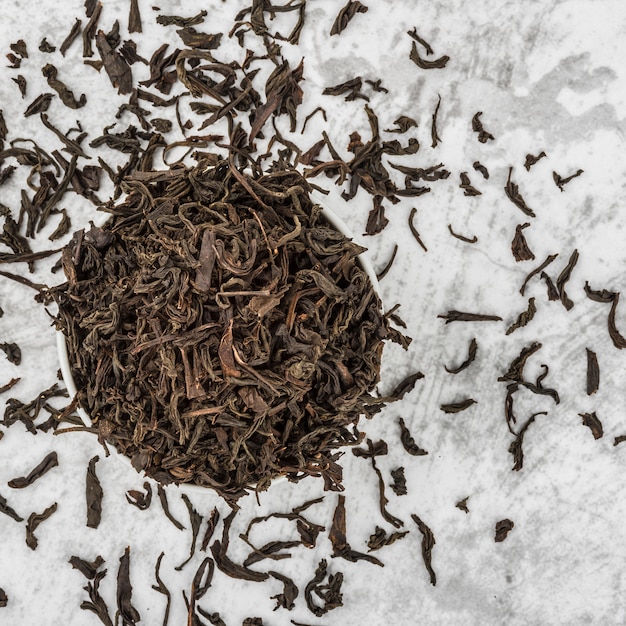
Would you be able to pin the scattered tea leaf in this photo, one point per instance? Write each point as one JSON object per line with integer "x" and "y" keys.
{"x": 512, "y": 191}
{"x": 462, "y": 504}
{"x": 561, "y": 182}
{"x": 129, "y": 614}
{"x": 137, "y": 498}
{"x": 286, "y": 599}
{"x": 461, "y": 316}
{"x": 477, "y": 127}
{"x": 94, "y": 495}
{"x": 471, "y": 355}
{"x": 456, "y": 407}
{"x": 379, "y": 538}
{"x": 537, "y": 270}
{"x": 34, "y": 520}
{"x": 50, "y": 460}
{"x": 399, "y": 481}
{"x": 434, "y": 135}
{"x": 88, "y": 569}
{"x": 531, "y": 160}
{"x": 7, "y": 510}
{"x": 592, "y": 422}
{"x": 425, "y": 64}
{"x": 345, "y": 15}
{"x": 407, "y": 440}
{"x": 414, "y": 230}
{"x": 428, "y": 543}
{"x": 502, "y": 529}
{"x": 12, "y": 352}
{"x": 524, "y": 317}
{"x": 380, "y": 275}
{"x": 479, "y": 167}
{"x": 474, "y": 239}
{"x": 593, "y": 372}
{"x": 516, "y": 447}
{"x": 195, "y": 520}
{"x": 519, "y": 246}
{"x": 329, "y": 593}
{"x": 564, "y": 277}
{"x": 413, "y": 34}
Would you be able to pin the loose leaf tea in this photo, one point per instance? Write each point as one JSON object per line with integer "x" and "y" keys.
{"x": 238, "y": 257}
{"x": 524, "y": 317}
{"x": 426, "y": 64}
{"x": 4, "y": 600}
{"x": 434, "y": 135}
{"x": 462, "y": 504}
{"x": 399, "y": 481}
{"x": 502, "y": 529}
{"x": 162, "y": 588}
{"x": 329, "y": 592}
{"x": 50, "y": 460}
{"x": 512, "y": 191}
{"x": 473, "y": 239}
{"x": 519, "y": 246}
{"x": 195, "y": 520}
{"x": 88, "y": 569}
{"x": 605, "y": 296}
{"x": 516, "y": 447}
{"x": 531, "y": 160}
{"x": 166, "y": 509}
{"x": 479, "y": 167}
{"x": 593, "y": 372}
{"x": 414, "y": 231}
{"x": 7, "y": 510}
{"x": 129, "y": 614}
{"x": 137, "y": 498}
{"x": 537, "y": 270}
{"x": 380, "y": 538}
{"x": 466, "y": 185}
{"x": 477, "y": 127}
{"x": 286, "y": 599}
{"x": 471, "y": 355}
{"x": 460, "y": 316}
{"x": 12, "y": 352}
{"x": 564, "y": 277}
{"x": 33, "y": 522}
{"x": 407, "y": 440}
{"x": 345, "y": 15}
{"x": 593, "y": 423}
{"x": 561, "y": 182}
{"x": 457, "y": 407}
{"x": 94, "y": 495}
{"x": 428, "y": 543}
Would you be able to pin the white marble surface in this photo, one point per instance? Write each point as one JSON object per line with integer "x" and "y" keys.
{"x": 547, "y": 76}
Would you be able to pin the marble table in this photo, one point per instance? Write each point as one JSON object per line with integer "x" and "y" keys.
{"x": 547, "y": 76}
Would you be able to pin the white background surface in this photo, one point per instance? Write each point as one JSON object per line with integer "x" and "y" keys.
{"x": 547, "y": 76}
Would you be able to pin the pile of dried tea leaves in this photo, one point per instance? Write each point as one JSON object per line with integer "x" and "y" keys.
{"x": 221, "y": 332}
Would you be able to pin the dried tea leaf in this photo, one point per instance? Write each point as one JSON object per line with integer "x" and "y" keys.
{"x": 564, "y": 277}
{"x": 531, "y": 160}
{"x": 162, "y": 588}
{"x": 462, "y": 504}
{"x": 137, "y": 498}
{"x": 425, "y": 64}
{"x": 516, "y": 448}
{"x": 195, "y": 520}
{"x": 33, "y": 522}
{"x": 502, "y": 529}
{"x": 379, "y": 538}
{"x": 414, "y": 231}
{"x": 345, "y": 15}
{"x": 407, "y": 440}
{"x": 403, "y": 123}
{"x": 474, "y": 239}
{"x": 524, "y": 317}
{"x": 66, "y": 94}
{"x": 88, "y": 569}
{"x": 380, "y": 275}
{"x": 428, "y": 543}
{"x": 4, "y": 599}
{"x": 94, "y": 495}
{"x": 515, "y": 372}
{"x": 329, "y": 593}
{"x": 460, "y": 316}
{"x": 471, "y": 355}
{"x": 413, "y": 34}
{"x": 468, "y": 189}
{"x": 512, "y": 191}
{"x": 134, "y": 17}
{"x": 477, "y": 127}
{"x": 537, "y": 270}
{"x": 456, "y": 407}
{"x": 71, "y": 37}
{"x": 12, "y": 352}
{"x": 479, "y": 167}
{"x": 129, "y": 614}
{"x": 593, "y": 423}
{"x": 561, "y": 182}
{"x": 619, "y": 439}
{"x": 115, "y": 65}
{"x": 519, "y": 246}
{"x": 434, "y": 135}
{"x": 286, "y": 599}
{"x": 166, "y": 509}
{"x": 50, "y": 460}
{"x": 593, "y": 372}
{"x": 399, "y": 481}
{"x": 210, "y": 529}
{"x": 7, "y": 510}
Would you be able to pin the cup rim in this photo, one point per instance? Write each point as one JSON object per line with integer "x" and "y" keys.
{"x": 66, "y": 368}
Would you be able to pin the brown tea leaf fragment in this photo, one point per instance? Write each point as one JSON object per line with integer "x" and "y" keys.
{"x": 195, "y": 519}
{"x": 129, "y": 614}
{"x": 50, "y": 460}
{"x": 593, "y": 372}
{"x": 477, "y": 127}
{"x": 471, "y": 355}
{"x": 406, "y": 385}
{"x": 134, "y": 17}
{"x": 181, "y": 22}
{"x": 516, "y": 448}
{"x": 46, "y": 47}
{"x": 428, "y": 542}
{"x": 66, "y": 95}
{"x": 376, "y": 220}
{"x": 380, "y": 275}
{"x": 414, "y": 231}
{"x": 94, "y": 495}
{"x": 166, "y": 509}
{"x": 519, "y": 246}
{"x": 413, "y": 34}
{"x": 479, "y": 167}
{"x": 88, "y": 569}
{"x": 502, "y": 529}
{"x": 71, "y": 37}
{"x": 466, "y": 185}
{"x": 346, "y": 14}
{"x": 512, "y": 191}
{"x": 162, "y": 588}
{"x": 212, "y": 520}
{"x": 12, "y": 352}
{"x": 474, "y": 239}
{"x": 337, "y": 536}
{"x": 515, "y": 372}
{"x": 593, "y": 423}
{"x": 456, "y": 407}
{"x": 379, "y": 538}
{"x": 537, "y": 270}
{"x": 329, "y": 593}
{"x": 460, "y": 316}
{"x": 524, "y": 317}
{"x": 619, "y": 439}
{"x": 21, "y": 83}
{"x": 462, "y": 504}
{"x": 7, "y": 510}
{"x": 434, "y": 135}
{"x": 399, "y": 481}
{"x": 137, "y": 498}
{"x": 407, "y": 440}
{"x": 403, "y": 123}
{"x": 286, "y": 599}
{"x": 561, "y": 182}
{"x": 34, "y": 520}
{"x": 605, "y": 296}
{"x": 4, "y": 600}
{"x": 564, "y": 277}
{"x": 425, "y": 64}
{"x": 531, "y": 160}
{"x": 115, "y": 65}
